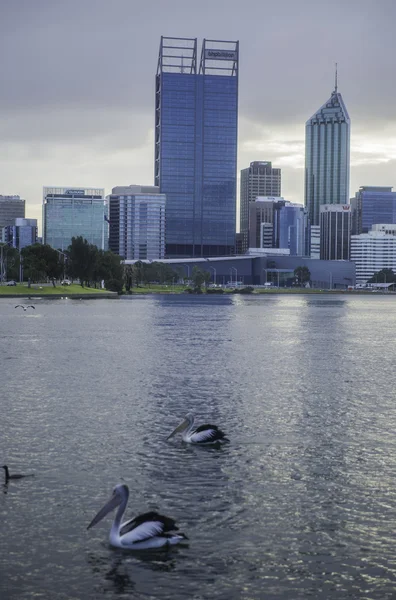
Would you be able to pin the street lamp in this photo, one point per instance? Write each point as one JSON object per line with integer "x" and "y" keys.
{"x": 236, "y": 274}
{"x": 330, "y": 279}
{"x": 265, "y": 271}
{"x": 214, "y": 274}
{"x": 188, "y": 269}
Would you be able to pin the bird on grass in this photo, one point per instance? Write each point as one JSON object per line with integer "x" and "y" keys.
{"x": 149, "y": 530}
{"x": 15, "y": 475}
{"x": 203, "y": 435}
{"x": 25, "y": 307}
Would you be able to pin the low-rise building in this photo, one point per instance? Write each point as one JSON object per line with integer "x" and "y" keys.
{"x": 373, "y": 251}
{"x": 22, "y": 234}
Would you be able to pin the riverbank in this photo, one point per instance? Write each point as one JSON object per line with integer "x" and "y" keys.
{"x": 49, "y": 291}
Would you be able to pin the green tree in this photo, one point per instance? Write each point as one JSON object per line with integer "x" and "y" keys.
{"x": 302, "y": 275}
{"x": 81, "y": 260}
{"x": 383, "y": 276}
{"x": 198, "y": 278}
{"x": 41, "y": 261}
{"x": 10, "y": 256}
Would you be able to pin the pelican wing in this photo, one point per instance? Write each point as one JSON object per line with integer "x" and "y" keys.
{"x": 207, "y": 433}
{"x": 145, "y": 526}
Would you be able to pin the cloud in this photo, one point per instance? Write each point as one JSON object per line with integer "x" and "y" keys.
{"x": 77, "y": 85}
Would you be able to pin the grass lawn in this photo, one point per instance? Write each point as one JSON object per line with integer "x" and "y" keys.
{"x": 47, "y": 290}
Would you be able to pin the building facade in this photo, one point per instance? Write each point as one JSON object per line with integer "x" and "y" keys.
{"x": 72, "y": 212}
{"x": 22, "y": 234}
{"x": 196, "y": 125}
{"x": 372, "y": 205}
{"x": 276, "y": 267}
{"x": 335, "y": 231}
{"x": 137, "y": 222}
{"x": 327, "y": 150}
{"x": 373, "y": 251}
{"x": 277, "y": 223}
{"x": 11, "y": 208}
{"x": 258, "y": 180}
{"x": 315, "y": 241}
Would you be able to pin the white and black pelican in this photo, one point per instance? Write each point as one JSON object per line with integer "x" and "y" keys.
{"x": 25, "y": 307}
{"x": 14, "y": 475}
{"x": 204, "y": 434}
{"x": 150, "y": 530}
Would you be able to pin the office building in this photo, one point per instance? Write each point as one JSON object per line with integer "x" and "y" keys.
{"x": 22, "y": 234}
{"x": 327, "y": 137}
{"x": 137, "y": 222}
{"x": 335, "y": 231}
{"x": 291, "y": 228}
{"x": 196, "y": 123}
{"x": 259, "y": 179}
{"x": 72, "y": 212}
{"x": 372, "y": 205}
{"x": 11, "y": 208}
{"x": 373, "y": 251}
{"x": 278, "y": 223}
{"x": 315, "y": 242}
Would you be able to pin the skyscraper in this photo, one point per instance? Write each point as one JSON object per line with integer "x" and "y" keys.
{"x": 335, "y": 232}
{"x": 11, "y": 208}
{"x": 260, "y": 179}
{"x": 196, "y": 122}
{"x": 137, "y": 222}
{"x": 372, "y": 205}
{"x": 327, "y": 135}
{"x": 73, "y": 212}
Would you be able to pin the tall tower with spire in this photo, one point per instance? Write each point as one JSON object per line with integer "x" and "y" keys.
{"x": 327, "y": 150}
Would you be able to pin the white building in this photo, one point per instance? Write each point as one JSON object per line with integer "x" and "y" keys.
{"x": 374, "y": 251}
{"x": 137, "y": 222}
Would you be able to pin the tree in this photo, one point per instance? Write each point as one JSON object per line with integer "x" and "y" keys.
{"x": 198, "y": 278}
{"x": 41, "y": 261}
{"x": 383, "y": 276}
{"x": 81, "y": 260}
{"x": 302, "y": 275}
{"x": 10, "y": 262}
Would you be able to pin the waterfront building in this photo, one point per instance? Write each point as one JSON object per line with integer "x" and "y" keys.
{"x": 335, "y": 231}
{"x": 11, "y": 208}
{"x": 22, "y": 234}
{"x": 372, "y": 205}
{"x": 327, "y": 150}
{"x": 137, "y": 222}
{"x": 196, "y": 124}
{"x": 373, "y": 251}
{"x": 258, "y": 180}
{"x": 276, "y": 266}
{"x": 277, "y": 223}
{"x": 72, "y": 212}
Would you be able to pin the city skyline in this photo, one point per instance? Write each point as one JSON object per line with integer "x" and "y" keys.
{"x": 88, "y": 113}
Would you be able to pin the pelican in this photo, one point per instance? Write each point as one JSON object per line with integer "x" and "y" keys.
{"x": 14, "y": 476}
{"x": 150, "y": 530}
{"x": 25, "y": 307}
{"x": 204, "y": 434}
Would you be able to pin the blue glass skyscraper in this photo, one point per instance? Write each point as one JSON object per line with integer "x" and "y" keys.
{"x": 327, "y": 139}
{"x": 196, "y": 122}
{"x": 372, "y": 205}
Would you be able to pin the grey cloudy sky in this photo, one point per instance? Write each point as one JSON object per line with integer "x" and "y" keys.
{"x": 77, "y": 85}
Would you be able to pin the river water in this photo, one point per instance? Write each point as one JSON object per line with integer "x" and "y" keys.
{"x": 300, "y": 504}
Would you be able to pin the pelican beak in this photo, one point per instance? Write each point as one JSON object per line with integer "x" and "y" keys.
{"x": 178, "y": 429}
{"x": 114, "y": 501}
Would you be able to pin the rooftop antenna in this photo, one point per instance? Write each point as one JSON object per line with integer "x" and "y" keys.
{"x": 336, "y": 78}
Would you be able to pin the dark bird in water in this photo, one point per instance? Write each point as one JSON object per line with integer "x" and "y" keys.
{"x": 25, "y": 307}
{"x": 14, "y": 476}
{"x": 204, "y": 434}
